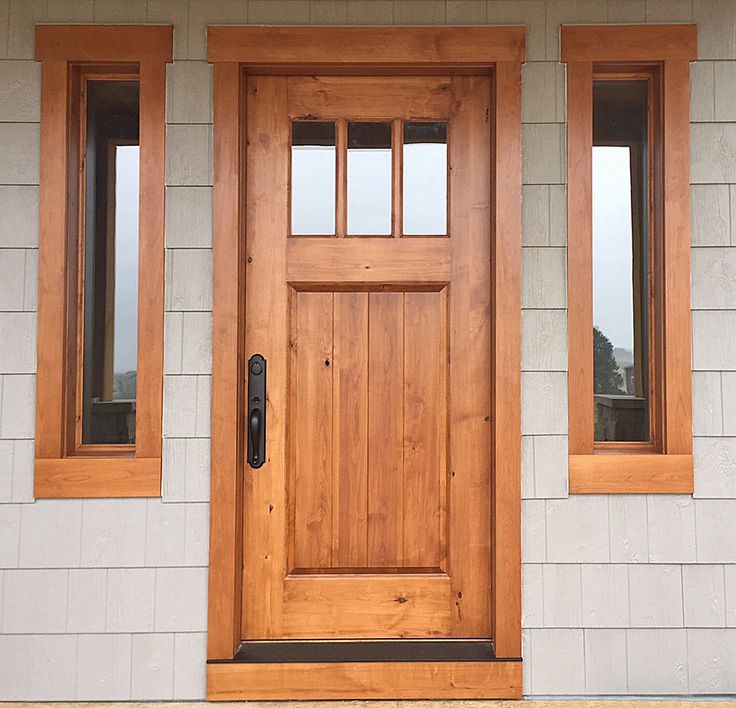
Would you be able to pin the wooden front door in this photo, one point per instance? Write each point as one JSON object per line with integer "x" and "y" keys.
{"x": 371, "y": 516}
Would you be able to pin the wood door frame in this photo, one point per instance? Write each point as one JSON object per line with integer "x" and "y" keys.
{"x": 236, "y": 51}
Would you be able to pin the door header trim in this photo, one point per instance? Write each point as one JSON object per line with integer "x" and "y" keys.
{"x": 473, "y": 46}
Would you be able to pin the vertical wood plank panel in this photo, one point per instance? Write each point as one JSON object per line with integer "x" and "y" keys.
{"x": 350, "y": 425}
{"x": 385, "y": 429}
{"x": 423, "y": 409}
{"x": 311, "y": 398}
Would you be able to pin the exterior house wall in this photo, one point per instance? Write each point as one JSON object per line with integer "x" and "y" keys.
{"x": 106, "y": 599}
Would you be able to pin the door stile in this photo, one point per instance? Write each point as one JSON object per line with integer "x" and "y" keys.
{"x": 268, "y": 324}
{"x": 470, "y": 343}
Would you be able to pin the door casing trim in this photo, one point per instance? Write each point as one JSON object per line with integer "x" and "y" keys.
{"x": 236, "y": 51}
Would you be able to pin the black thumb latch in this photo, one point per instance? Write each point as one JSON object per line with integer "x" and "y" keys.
{"x": 256, "y": 411}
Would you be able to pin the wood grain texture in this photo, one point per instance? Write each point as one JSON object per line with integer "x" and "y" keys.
{"x": 367, "y": 261}
{"x": 311, "y": 397}
{"x": 506, "y": 372}
{"x": 350, "y": 432}
{"x": 393, "y": 295}
{"x": 580, "y": 256}
{"x": 678, "y": 432}
{"x": 393, "y": 605}
{"x": 77, "y": 477}
{"x": 51, "y": 405}
{"x": 628, "y": 43}
{"x": 360, "y": 681}
{"x": 149, "y": 390}
{"x": 386, "y": 430}
{"x": 669, "y": 471}
{"x": 631, "y": 474}
{"x": 226, "y": 459}
{"x": 398, "y": 681}
{"x": 104, "y": 43}
{"x": 469, "y": 316}
{"x": 58, "y": 381}
{"x": 267, "y": 332}
{"x": 373, "y": 46}
{"x": 411, "y": 97}
{"x": 424, "y": 435}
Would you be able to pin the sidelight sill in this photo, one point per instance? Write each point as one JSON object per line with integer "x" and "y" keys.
{"x": 96, "y": 477}
{"x": 611, "y": 473}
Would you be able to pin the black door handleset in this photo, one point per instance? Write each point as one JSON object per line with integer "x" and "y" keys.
{"x": 256, "y": 411}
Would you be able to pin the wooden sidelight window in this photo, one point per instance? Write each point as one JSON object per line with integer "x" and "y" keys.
{"x": 629, "y": 258}
{"x": 101, "y": 252}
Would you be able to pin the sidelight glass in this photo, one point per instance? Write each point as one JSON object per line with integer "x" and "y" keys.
{"x": 620, "y": 261}
{"x": 110, "y": 252}
{"x": 369, "y": 179}
{"x": 425, "y": 179}
{"x": 313, "y": 170}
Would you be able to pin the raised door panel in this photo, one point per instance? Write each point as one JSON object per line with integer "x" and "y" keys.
{"x": 368, "y": 385}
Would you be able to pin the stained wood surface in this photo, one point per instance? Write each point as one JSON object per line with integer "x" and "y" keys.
{"x": 377, "y": 261}
{"x": 104, "y": 43}
{"x": 580, "y": 256}
{"x": 376, "y": 46}
{"x": 51, "y": 374}
{"x": 368, "y": 480}
{"x": 506, "y": 375}
{"x": 625, "y": 467}
{"x": 226, "y": 475}
{"x": 628, "y": 43}
{"x": 631, "y": 474}
{"x": 678, "y": 433}
{"x": 372, "y": 514}
{"x": 75, "y": 477}
{"x": 64, "y": 467}
{"x": 368, "y": 680}
{"x": 393, "y": 605}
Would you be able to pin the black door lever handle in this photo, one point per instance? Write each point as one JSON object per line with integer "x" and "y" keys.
{"x": 256, "y": 411}
{"x": 255, "y": 437}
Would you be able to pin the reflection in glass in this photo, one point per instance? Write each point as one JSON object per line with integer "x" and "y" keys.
{"x": 312, "y": 178}
{"x": 425, "y": 179}
{"x": 620, "y": 261}
{"x": 369, "y": 179}
{"x": 110, "y": 358}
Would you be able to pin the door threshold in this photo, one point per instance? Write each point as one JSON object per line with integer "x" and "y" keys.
{"x": 371, "y": 650}
{"x": 363, "y": 680}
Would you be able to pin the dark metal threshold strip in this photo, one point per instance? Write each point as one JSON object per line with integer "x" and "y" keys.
{"x": 311, "y": 651}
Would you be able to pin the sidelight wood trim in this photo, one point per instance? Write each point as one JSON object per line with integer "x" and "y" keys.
{"x": 664, "y": 466}
{"x": 364, "y": 680}
{"x": 104, "y": 43}
{"x": 631, "y": 474}
{"x": 366, "y": 46}
{"x": 76, "y": 477}
{"x": 235, "y": 52}
{"x": 62, "y": 469}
